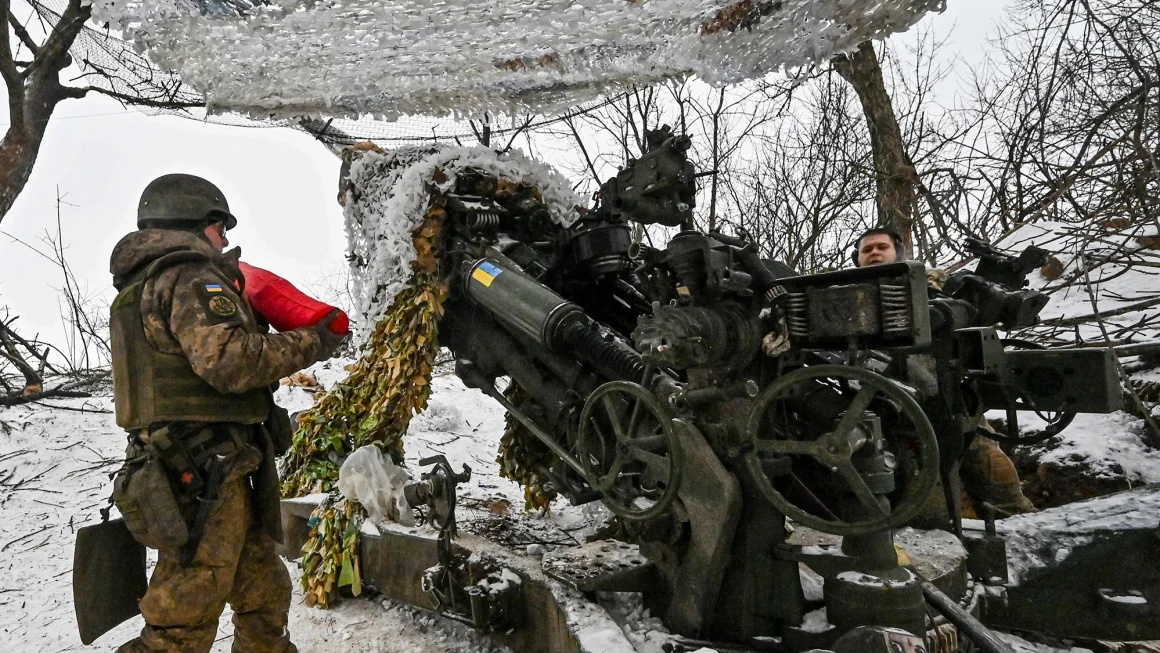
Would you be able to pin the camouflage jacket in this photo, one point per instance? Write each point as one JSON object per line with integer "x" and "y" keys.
{"x": 195, "y": 310}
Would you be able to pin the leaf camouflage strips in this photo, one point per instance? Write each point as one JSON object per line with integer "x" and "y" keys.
{"x": 373, "y": 405}
{"x": 522, "y": 457}
{"x": 330, "y": 555}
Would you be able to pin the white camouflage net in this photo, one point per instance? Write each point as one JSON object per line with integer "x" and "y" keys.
{"x": 388, "y": 58}
{"x": 388, "y": 200}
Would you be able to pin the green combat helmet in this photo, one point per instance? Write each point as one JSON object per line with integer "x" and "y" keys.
{"x": 181, "y": 200}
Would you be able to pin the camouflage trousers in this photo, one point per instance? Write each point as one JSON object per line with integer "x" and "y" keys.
{"x": 236, "y": 563}
{"x": 989, "y": 476}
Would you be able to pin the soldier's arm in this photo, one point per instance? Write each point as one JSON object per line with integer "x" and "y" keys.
{"x": 208, "y": 319}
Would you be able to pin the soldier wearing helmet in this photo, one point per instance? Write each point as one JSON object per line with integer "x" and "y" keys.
{"x": 193, "y": 371}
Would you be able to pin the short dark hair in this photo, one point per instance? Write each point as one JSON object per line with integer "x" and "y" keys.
{"x": 899, "y": 249}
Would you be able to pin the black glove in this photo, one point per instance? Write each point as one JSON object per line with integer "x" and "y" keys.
{"x": 328, "y": 341}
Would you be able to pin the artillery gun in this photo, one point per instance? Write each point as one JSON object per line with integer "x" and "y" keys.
{"x": 710, "y": 398}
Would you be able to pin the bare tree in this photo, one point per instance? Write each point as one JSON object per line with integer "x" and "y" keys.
{"x": 1077, "y": 113}
{"x": 33, "y": 56}
{"x": 894, "y": 172}
{"x": 83, "y": 315}
{"x": 31, "y": 74}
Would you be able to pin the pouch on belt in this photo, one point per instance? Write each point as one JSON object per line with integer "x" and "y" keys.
{"x": 145, "y": 497}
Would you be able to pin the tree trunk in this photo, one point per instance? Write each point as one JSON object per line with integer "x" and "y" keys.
{"x": 33, "y": 93}
{"x": 894, "y": 173}
{"x": 18, "y": 153}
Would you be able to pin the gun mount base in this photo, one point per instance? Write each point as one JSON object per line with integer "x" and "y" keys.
{"x": 557, "y": 617}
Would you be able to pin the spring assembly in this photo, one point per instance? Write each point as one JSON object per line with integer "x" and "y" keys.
{"x": 895, "y": 309}
{"x": 797, "y": 319}
{"x": 606, "y": 356}
{"x": 483, "y": 220}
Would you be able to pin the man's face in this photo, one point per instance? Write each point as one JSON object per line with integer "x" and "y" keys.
{"x": 216, "y": 233}
{"x": 876, "y": 249}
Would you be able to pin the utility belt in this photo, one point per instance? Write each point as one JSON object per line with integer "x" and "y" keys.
{"x": 169, "y": 483}
{"x": 185, "y": 448}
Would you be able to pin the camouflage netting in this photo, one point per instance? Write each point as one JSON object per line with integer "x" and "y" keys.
{"x": 522, "y": 457}
{"x": 392, "y": 58}
{"x": 394, "y": 205}
{"x": 115, "y": 66}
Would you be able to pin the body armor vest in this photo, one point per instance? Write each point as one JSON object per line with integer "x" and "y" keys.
{"x": 150, "y": 386}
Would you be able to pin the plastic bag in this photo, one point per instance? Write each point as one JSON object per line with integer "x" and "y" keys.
{"x": 377, "y": 483}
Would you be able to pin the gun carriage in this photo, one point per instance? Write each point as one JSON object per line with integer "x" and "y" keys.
{"x": 709, "y": 397}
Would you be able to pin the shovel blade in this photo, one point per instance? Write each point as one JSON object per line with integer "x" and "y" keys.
{"x": 108, "y": 578}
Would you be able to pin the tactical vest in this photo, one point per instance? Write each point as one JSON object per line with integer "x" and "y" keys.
{"x": 150, "y": 386}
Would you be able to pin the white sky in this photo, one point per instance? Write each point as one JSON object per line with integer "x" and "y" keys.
{"x": 280, "y": 183}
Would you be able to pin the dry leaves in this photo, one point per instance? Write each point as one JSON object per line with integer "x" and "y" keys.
{"x": 301, "y": 380}
{"x": 391, "y": 381}
{"x": 522, "y": 457}
{"x": 1149, "y": 242}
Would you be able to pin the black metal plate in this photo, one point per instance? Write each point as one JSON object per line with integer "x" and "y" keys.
{"x": 844, "y": 311}
{"x": 108, "y": 578}
{"x": 877, "y": 307}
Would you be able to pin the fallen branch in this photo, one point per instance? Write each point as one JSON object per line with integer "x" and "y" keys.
{"x": 46, "y": 394}
{"x": 1130, "y": 308}
{"x": 1152, "y": 432}
{"x": 82, "y": 409}
{"x": 1140, "y": 349}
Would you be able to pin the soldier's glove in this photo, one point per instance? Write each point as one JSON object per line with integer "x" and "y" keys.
{"x": 329, "y": 342}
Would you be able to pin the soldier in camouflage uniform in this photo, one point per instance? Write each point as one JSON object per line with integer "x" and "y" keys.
{"x": 988, "y": 474}
{"x": 193, "y": 370}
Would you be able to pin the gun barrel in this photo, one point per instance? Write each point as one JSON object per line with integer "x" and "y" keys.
{"x": 519, "y": 301}
{"x": 539, "y": 314}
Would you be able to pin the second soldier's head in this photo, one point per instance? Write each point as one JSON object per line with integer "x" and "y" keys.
{"x": 876, "y": 247}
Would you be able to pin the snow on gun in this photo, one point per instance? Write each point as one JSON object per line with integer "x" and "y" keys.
{"x": 642, "y": 373}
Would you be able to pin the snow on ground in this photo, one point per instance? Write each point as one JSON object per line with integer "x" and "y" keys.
{"x": 54, "y": 477}
{"x": 54, "y": 466}
{"x": 1107, "y": 445}
{"x": 1110, "y": 446}
{"x": 1115, "y": 283}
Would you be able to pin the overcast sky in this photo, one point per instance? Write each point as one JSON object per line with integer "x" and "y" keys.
{"x": 279, "y": 182}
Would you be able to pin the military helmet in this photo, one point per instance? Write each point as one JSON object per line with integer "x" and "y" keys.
{"x": 183, "y": 200}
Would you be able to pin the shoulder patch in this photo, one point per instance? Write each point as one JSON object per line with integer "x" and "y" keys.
{"x": 222, "y": 306}
{"x": 213, "y": 287}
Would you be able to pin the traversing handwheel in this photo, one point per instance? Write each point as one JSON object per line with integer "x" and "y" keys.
{"x": 1056, "y": 421}
{"x": 839, "y": 447}
{"x": 629, "y": 450}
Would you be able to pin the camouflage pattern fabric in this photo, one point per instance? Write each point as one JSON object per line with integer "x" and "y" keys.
{"x": 990, "y": 476}
{"x": 235, "y": 563}
{"x": 196, "y": 309}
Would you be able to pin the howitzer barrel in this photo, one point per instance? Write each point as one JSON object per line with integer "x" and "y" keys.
{"x": 520, "y": 301}
{"x": 539, "y": 314}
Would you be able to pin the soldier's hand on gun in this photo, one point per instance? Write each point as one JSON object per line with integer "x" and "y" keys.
{"x": 329, "y": 342}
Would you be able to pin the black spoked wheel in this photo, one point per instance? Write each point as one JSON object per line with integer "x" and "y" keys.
{"x": 834, "y": 450}
{"x": 629, "y": 450}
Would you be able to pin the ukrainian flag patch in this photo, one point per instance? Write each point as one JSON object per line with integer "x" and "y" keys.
{"x": 213, "y": 287}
